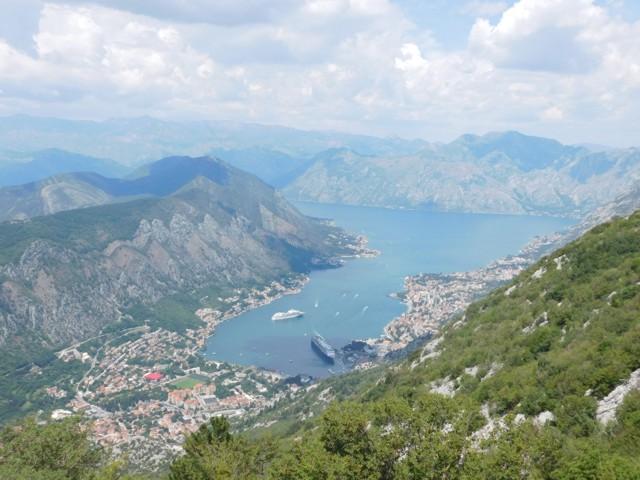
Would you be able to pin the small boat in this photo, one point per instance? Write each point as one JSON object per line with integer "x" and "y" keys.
{"x": 286, "y": 315}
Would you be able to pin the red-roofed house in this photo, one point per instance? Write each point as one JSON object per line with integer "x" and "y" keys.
{"x": 153, "y": 376}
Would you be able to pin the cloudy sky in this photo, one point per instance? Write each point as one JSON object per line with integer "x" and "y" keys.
{"x": 432, "y": 69}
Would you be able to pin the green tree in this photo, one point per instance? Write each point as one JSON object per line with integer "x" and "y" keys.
{"x": 58, "y": 450}
{"x": 212, "y": 452}
{"x": 592, "y": 463}
{"x": 345, "y": 435}
{"x": 514, "y": 451}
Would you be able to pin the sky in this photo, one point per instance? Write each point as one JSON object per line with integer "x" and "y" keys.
{"x": 430, "y": 69}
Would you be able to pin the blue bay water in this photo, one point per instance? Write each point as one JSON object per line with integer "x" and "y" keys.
{"x": 352, "y": 302}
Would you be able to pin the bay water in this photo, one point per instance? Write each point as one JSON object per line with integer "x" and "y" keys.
{"x": 352, "y": 302}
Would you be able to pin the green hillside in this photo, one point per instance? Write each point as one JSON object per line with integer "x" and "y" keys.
{"x": 566, "y": 326}
{"x": 521, "y": 381}
{"x": 88, "y": 272}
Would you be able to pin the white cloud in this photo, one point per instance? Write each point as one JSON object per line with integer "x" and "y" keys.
{"x": 68, "y": 35}
{"x": 214, "y": 12}
{"x": 546, "y": 35}
{"x": 107, "y": 53}
{"x": 553, "y": 113}
{"x": 326, "y": 7}
{"x": 591, "y": 57}
{"x": 360, "y": 65}
{"x": 482, "y": 8}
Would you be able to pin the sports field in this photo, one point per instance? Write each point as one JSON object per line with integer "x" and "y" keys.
{"x": 185, "y": 383}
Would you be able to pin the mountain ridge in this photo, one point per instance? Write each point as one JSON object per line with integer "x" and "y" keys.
{"x": 135, "y": 141}
{"x": 17, "y": 168}
{"x": 499, "y": 172}
{"x": 504, "y": 173}
{"x": 82, "y": 189}
{"x": 66, "y": 275}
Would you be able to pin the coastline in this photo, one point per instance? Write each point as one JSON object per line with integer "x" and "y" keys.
{"x": 255, "y": 298}
{"x": 434, "y": 299}
{"x": 431, "y": 301}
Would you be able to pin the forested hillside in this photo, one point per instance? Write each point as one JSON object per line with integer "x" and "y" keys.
{"x": 520, "y": 387}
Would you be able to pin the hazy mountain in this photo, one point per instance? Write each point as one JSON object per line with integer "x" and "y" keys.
{"x": 54, "y": 194}
{"x": 17, "y": 168}
{"x": 504, "y": 172}
{"x": 596, "y": 147}
{"x": 203, "y": 225}
{"x": 77, "y": 190}
{"x": 274, "y": 167}
{"x": 622, "y": 206}
{"x": 497, "y": 173}
{"x": 133, "y": 141}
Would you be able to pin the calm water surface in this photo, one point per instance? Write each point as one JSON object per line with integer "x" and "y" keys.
{"x": 352, "y": 302}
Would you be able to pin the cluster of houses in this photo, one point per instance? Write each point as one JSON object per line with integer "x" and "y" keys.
{"x": 73, "y": 354}
{"x": 203, "y": 396}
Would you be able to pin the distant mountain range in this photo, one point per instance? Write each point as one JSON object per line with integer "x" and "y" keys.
{"x": 85, "y": 189}
{"x": 182, "y": 225}
{"x": 506, "y": 172}
{"x": 134, "y": 141}
{"x": 497, "y": 173}
{"x": 17, "y": 168}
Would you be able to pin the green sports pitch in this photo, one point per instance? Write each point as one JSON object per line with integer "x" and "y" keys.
{"x": 187, "y": 382}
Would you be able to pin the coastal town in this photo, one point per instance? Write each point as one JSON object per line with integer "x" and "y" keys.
{"x": 150, "y": 388}
{"x": 146, "y": 389}
{"x": 434, "y": 299}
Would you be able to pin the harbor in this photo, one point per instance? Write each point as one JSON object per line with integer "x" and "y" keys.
{"x": 353, "y": 301}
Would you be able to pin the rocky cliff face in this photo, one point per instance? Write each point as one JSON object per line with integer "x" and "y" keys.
{"x": 497, "y": 173}
{"x": 65, "y": 276}
{"x": 54, "y": 194}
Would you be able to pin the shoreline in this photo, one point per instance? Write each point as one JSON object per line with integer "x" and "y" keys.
{"x": 256, "y": 298}
{"x": 434, "y": 299}
{"x": 431, "y": 301}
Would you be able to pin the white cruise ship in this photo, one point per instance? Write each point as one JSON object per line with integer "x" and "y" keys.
{"x": 286, "y": 315}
